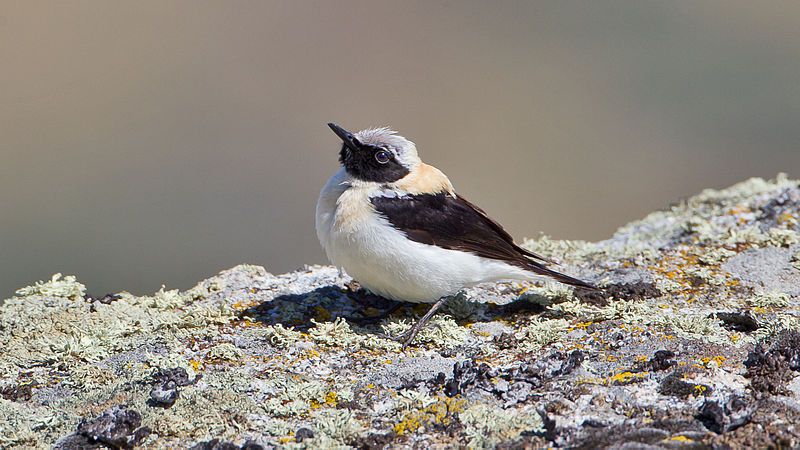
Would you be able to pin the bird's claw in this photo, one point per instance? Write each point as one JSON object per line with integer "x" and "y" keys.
{"x": 404, "y": 338}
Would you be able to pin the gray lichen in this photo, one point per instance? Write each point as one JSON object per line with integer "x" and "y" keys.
{"x": 300, "y": 361}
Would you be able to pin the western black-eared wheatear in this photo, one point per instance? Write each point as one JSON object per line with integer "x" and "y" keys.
{"x": 397, "y": 226}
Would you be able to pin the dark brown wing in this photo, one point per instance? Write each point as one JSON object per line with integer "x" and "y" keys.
{"x": 454, "y": 223}
{"x": 503, "y": 233}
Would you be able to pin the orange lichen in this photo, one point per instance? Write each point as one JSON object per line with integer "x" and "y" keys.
{"x": 717, "y": 359}
{"x": 196, "y": 365}
{"x": 440, "y": 413}
{"x": 624, "y": 378}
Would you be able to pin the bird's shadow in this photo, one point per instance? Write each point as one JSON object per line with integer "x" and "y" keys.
{"x": 367, "y": 311}
{"x": 323, "y": 304}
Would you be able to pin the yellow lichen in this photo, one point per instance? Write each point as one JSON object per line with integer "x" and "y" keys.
{"x": 624, "y": 378}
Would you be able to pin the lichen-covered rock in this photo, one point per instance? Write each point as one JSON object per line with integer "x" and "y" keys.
{"x": 693, "y": 343}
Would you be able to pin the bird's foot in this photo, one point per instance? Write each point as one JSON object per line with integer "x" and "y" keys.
{"x": 409, "y": 335}
{"x": 405, "y": 338}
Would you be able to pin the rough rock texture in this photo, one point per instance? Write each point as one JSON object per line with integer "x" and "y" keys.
{"x": 694, "y": 344}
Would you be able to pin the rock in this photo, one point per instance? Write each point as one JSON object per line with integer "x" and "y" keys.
{"x": 662, "y": 360}
{"x": 694, "y": 343}
{"x": 117, "y": 427}
{"x": 302, "y": 434}
{"x": 165, "y": 389}
{"x": 721, "y": 418}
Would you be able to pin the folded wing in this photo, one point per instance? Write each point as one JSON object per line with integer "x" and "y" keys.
{"x": 454, "y": 223}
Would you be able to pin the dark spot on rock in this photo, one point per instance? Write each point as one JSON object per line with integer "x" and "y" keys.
{"x": 374, "y": 441}
{"x": 505, "y": 341}
{"x": 215, "y": 444}
{"x": 594, "y": 423}
{"x": 721, "y": 418}
{"x": 573, "y": 361}
{"x": 218, "y": 444}
{"x": 787, "y": 201}
{"x": 465, "y": 375}
{"x": 788, "y": 346}
{"x": 163, "y": 396}
{"x": 675, "y": 386}
{"x": 302, "y": 434}
{"x": 250, "y": 445}
{"x": 77, "y": 442}
{"x": 17, "y": 393}
{"x": 770, "y": 370}
{"x": 106, "y": 299}
{"x": 738, "y": 321}
{"x": 626, "y": 291}
{"x": 165, "y": 386}
{"x": 177, "y": 376}
{"x": 513, "y": 385}
{"x": 662, "y": 360}
{"x": 635, "y": 436}
{"x": 117, "y": 428}
{"x": 550, "y": 432}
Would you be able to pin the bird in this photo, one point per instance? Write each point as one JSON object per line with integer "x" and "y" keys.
{"x": 397, "y": 226}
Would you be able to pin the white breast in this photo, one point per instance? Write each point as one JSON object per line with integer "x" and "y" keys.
{"x": 383, "y": 260}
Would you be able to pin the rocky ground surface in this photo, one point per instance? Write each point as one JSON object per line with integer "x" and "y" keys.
{"x": 695, "y": 343}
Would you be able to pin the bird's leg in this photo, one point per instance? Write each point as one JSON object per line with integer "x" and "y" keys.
{"x": 409, "y": 335}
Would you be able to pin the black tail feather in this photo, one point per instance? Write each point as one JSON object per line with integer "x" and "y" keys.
{"x": 562, "y": 278}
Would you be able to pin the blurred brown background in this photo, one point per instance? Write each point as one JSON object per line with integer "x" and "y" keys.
{"x": 159, "y": 142}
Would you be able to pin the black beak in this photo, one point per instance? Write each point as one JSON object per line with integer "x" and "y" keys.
{"x": 347, "y": 137}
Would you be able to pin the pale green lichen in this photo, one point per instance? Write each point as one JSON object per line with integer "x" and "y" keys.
{"x": 270, "y": 425}
{"x": 770, "y": 300}
{"x": 281, "y": 337}
{"x": 340, "y": 425}
{"x": 778, "y": 237}
{"x": 629, "y": 312}
{"x": 706, "y": 275}
{"x": 741, "y": 192}
{"x": 773, "y": 326}
{"x": 340, "y": 334}
{"x": 441, "y": 331}
{"x": 24, "y": 427}
{"x": 716, "y": 256}
{"x": 66, "y": 287}
{"x": 540, "y": 333}
{"x": 224, "y": 352}
{"x": 695, "y": 326}
{"x": 409, "y": 400}
{"x": 486, "y": 427}
{"x": 333, "y": 334}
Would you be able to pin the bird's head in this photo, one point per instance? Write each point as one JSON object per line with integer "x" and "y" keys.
{"x": 376, "y": 154}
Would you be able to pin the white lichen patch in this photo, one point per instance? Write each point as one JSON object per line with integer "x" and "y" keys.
{"x": 442, "y": 331}
{"x": 540, "y": 333}
{"x": 224, "y": 352}
{"x": 340, "y": 425}
{"x": 281, "y": 337}
{"x": 66, "y": 287}
{"x": 695, "y": 326}
{"x": 716, "y": 256}
{"x": 487, "y": 427}
{"x": 770, "y": 300}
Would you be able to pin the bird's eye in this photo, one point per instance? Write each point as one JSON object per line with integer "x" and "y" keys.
{"x": 382, "y": 156}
